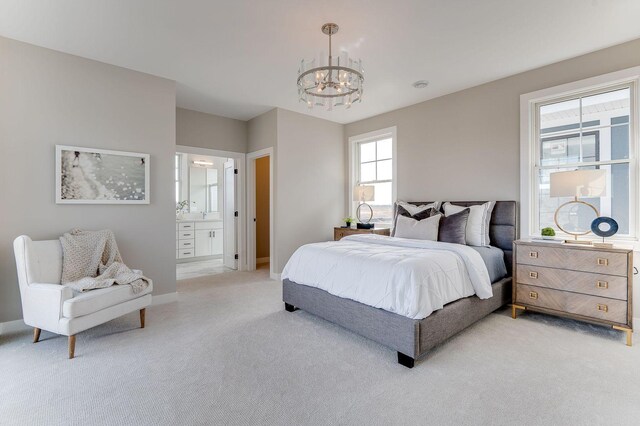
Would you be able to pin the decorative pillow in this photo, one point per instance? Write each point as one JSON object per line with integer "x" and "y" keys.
{"x": 477, "y": 233}
{"x": 413, "y": 211}
{"x": 425, "y": 229}
{"x": 452, "y": 228}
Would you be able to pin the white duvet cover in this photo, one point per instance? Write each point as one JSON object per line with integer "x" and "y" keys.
{"x": 409, "y": 277}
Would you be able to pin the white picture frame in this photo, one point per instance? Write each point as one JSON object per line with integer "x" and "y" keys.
{"x": 100, "y": 176}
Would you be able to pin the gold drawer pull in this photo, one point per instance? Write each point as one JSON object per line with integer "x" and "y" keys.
{"x": 533, "y": 254}
{"x": 533, "y": 275}
{"x": 602, "y": 308}
{"x": 603, "y": 262}
{"x": 533, "y": 295}
{"x": 602, "y": 284}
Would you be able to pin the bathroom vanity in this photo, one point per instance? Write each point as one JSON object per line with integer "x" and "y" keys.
{"x": 196, "y": 239}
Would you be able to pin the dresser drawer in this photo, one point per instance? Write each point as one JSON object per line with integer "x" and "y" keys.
{"x": 186, "y": 235}
{"x": 184, "y": 253}
{"x": 611, "y": 286}
{"x": 601, "y": 262}
{"x": 185, "y": 226}
{"x": 579, "y": 304}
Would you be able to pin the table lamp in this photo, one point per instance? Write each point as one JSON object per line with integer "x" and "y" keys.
{"x": 578, "y": 183}
{"x": 362, "y": 194}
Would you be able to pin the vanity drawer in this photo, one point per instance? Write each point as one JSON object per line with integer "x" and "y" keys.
{"x": 186, "y": 226}
{"x": 184, "y": 253}
{"x": 186, "y": 235}
{"x": 579, "y": 304}
{"x": 611, "y": 286}
{"x": 601, "y": 262}
{"x": 186, "y": 244}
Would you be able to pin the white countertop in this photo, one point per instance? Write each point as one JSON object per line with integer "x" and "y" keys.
{"x": 197, "y": 220}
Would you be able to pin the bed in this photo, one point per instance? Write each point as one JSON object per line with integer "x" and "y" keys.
{"x": 412, "y": 338}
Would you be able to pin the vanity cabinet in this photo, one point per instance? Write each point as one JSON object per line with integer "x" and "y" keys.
{"x": 199, "y": 239}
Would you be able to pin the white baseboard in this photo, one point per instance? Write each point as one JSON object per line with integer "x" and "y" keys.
{"x": 165, "y": 298}
{"x": 262, "y": 260}
{"x": 276, "y": 277}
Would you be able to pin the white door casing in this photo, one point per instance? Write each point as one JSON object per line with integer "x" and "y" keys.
{"x": 229, "y": 215}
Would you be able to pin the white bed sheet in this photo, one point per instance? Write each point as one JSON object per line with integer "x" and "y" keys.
{"x": 409, "y": 277}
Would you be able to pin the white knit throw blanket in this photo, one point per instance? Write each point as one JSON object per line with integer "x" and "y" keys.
{"x": 91, "y": 260}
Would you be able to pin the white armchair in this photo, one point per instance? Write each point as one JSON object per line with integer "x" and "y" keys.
{"x": 48, "y": 305}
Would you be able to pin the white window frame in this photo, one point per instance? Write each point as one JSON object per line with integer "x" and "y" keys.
{"x": 529, "y": 145}
{"x": 178, "y": 158}
{"x": 354, "y": 163}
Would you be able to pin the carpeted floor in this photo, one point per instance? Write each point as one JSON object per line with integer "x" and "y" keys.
{"x": 228, "y": 353}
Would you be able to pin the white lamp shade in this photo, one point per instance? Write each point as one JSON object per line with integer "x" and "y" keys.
{"x": 364, "y": 193}
{"x": 579, "y": 183}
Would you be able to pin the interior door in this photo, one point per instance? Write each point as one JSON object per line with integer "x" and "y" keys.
{"x": 230, "y": 216}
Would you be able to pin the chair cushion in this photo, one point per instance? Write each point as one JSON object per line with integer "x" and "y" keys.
{"x": 94, "y": 300}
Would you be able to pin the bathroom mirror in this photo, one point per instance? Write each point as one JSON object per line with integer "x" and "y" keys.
{"x": 203, "y": 189}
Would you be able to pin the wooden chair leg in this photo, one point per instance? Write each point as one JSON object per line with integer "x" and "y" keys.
{"x": 142, "y": 312}
{"x": 36, "y": 335}
{"x": 72, "y": 346}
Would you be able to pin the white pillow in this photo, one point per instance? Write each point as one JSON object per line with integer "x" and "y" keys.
{"x": 425, "y": 229}
{"x": 477, "y": 232}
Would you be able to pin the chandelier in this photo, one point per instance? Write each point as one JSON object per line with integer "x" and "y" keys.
{"x": 333, "y": 81}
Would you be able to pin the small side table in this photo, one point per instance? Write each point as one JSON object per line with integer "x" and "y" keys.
{"x": 339, "y": 232}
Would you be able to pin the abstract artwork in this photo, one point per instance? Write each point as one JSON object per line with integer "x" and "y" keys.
{"x": 98, "y": 176}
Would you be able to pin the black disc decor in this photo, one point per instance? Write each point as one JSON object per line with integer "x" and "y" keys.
{"x": 608, "y": 229}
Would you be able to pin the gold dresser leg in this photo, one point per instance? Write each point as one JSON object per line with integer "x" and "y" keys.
{"x": 514, "y": 310}
{"x": 629, "y": 332}
{"x": 36, "y": 335}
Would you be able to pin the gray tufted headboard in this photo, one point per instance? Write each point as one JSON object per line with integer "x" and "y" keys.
{"x": 503, "y": 229}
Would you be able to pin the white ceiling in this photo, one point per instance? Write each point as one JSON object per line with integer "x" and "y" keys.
{"x": 240, "y": 58}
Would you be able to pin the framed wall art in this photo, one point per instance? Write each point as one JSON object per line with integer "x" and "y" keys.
{"x": 100, "y": 176}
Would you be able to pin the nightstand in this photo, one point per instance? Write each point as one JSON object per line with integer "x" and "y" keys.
{"x": 339, "y": 232}
{"x": 585, "y": 283}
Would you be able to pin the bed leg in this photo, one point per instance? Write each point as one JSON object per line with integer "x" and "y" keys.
{"x": 405, "y": 360}
{"x": 289, "y": 308}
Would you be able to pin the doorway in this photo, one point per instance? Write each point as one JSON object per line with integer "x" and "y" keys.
{"x": 260, "y": 235}
{"x": 208, "y": 201}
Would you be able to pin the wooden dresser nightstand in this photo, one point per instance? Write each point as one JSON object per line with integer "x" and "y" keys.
{"x": 585, "y": 283}
{"x": 339, "y": 232}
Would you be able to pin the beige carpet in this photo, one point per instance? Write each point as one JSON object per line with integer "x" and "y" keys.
{"x": 227, "y": 353}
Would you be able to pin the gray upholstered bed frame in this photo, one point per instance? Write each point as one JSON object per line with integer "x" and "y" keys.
{"x": 409, "y": 337}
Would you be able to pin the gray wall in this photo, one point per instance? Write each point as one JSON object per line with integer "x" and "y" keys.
{"x": 446, "y": 144}
{"x": 465, "y": 146}
{"x": 310, "y": 182}
{"x": 203, "y": 130}
{"x": 51, "y": 98}
{"x": 262, "y": 131}
{"x": 309, "y": 178}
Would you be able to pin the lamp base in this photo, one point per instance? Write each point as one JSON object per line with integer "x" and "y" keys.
{"x": 365, "y": 225}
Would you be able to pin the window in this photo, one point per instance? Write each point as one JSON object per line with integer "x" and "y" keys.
{"x": 178, "y": 178}
{"x": 373, "y": 163}
{"x": 592, "y": 128}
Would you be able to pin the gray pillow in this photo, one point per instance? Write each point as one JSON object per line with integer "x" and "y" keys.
{"x": 453, "y": 228}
